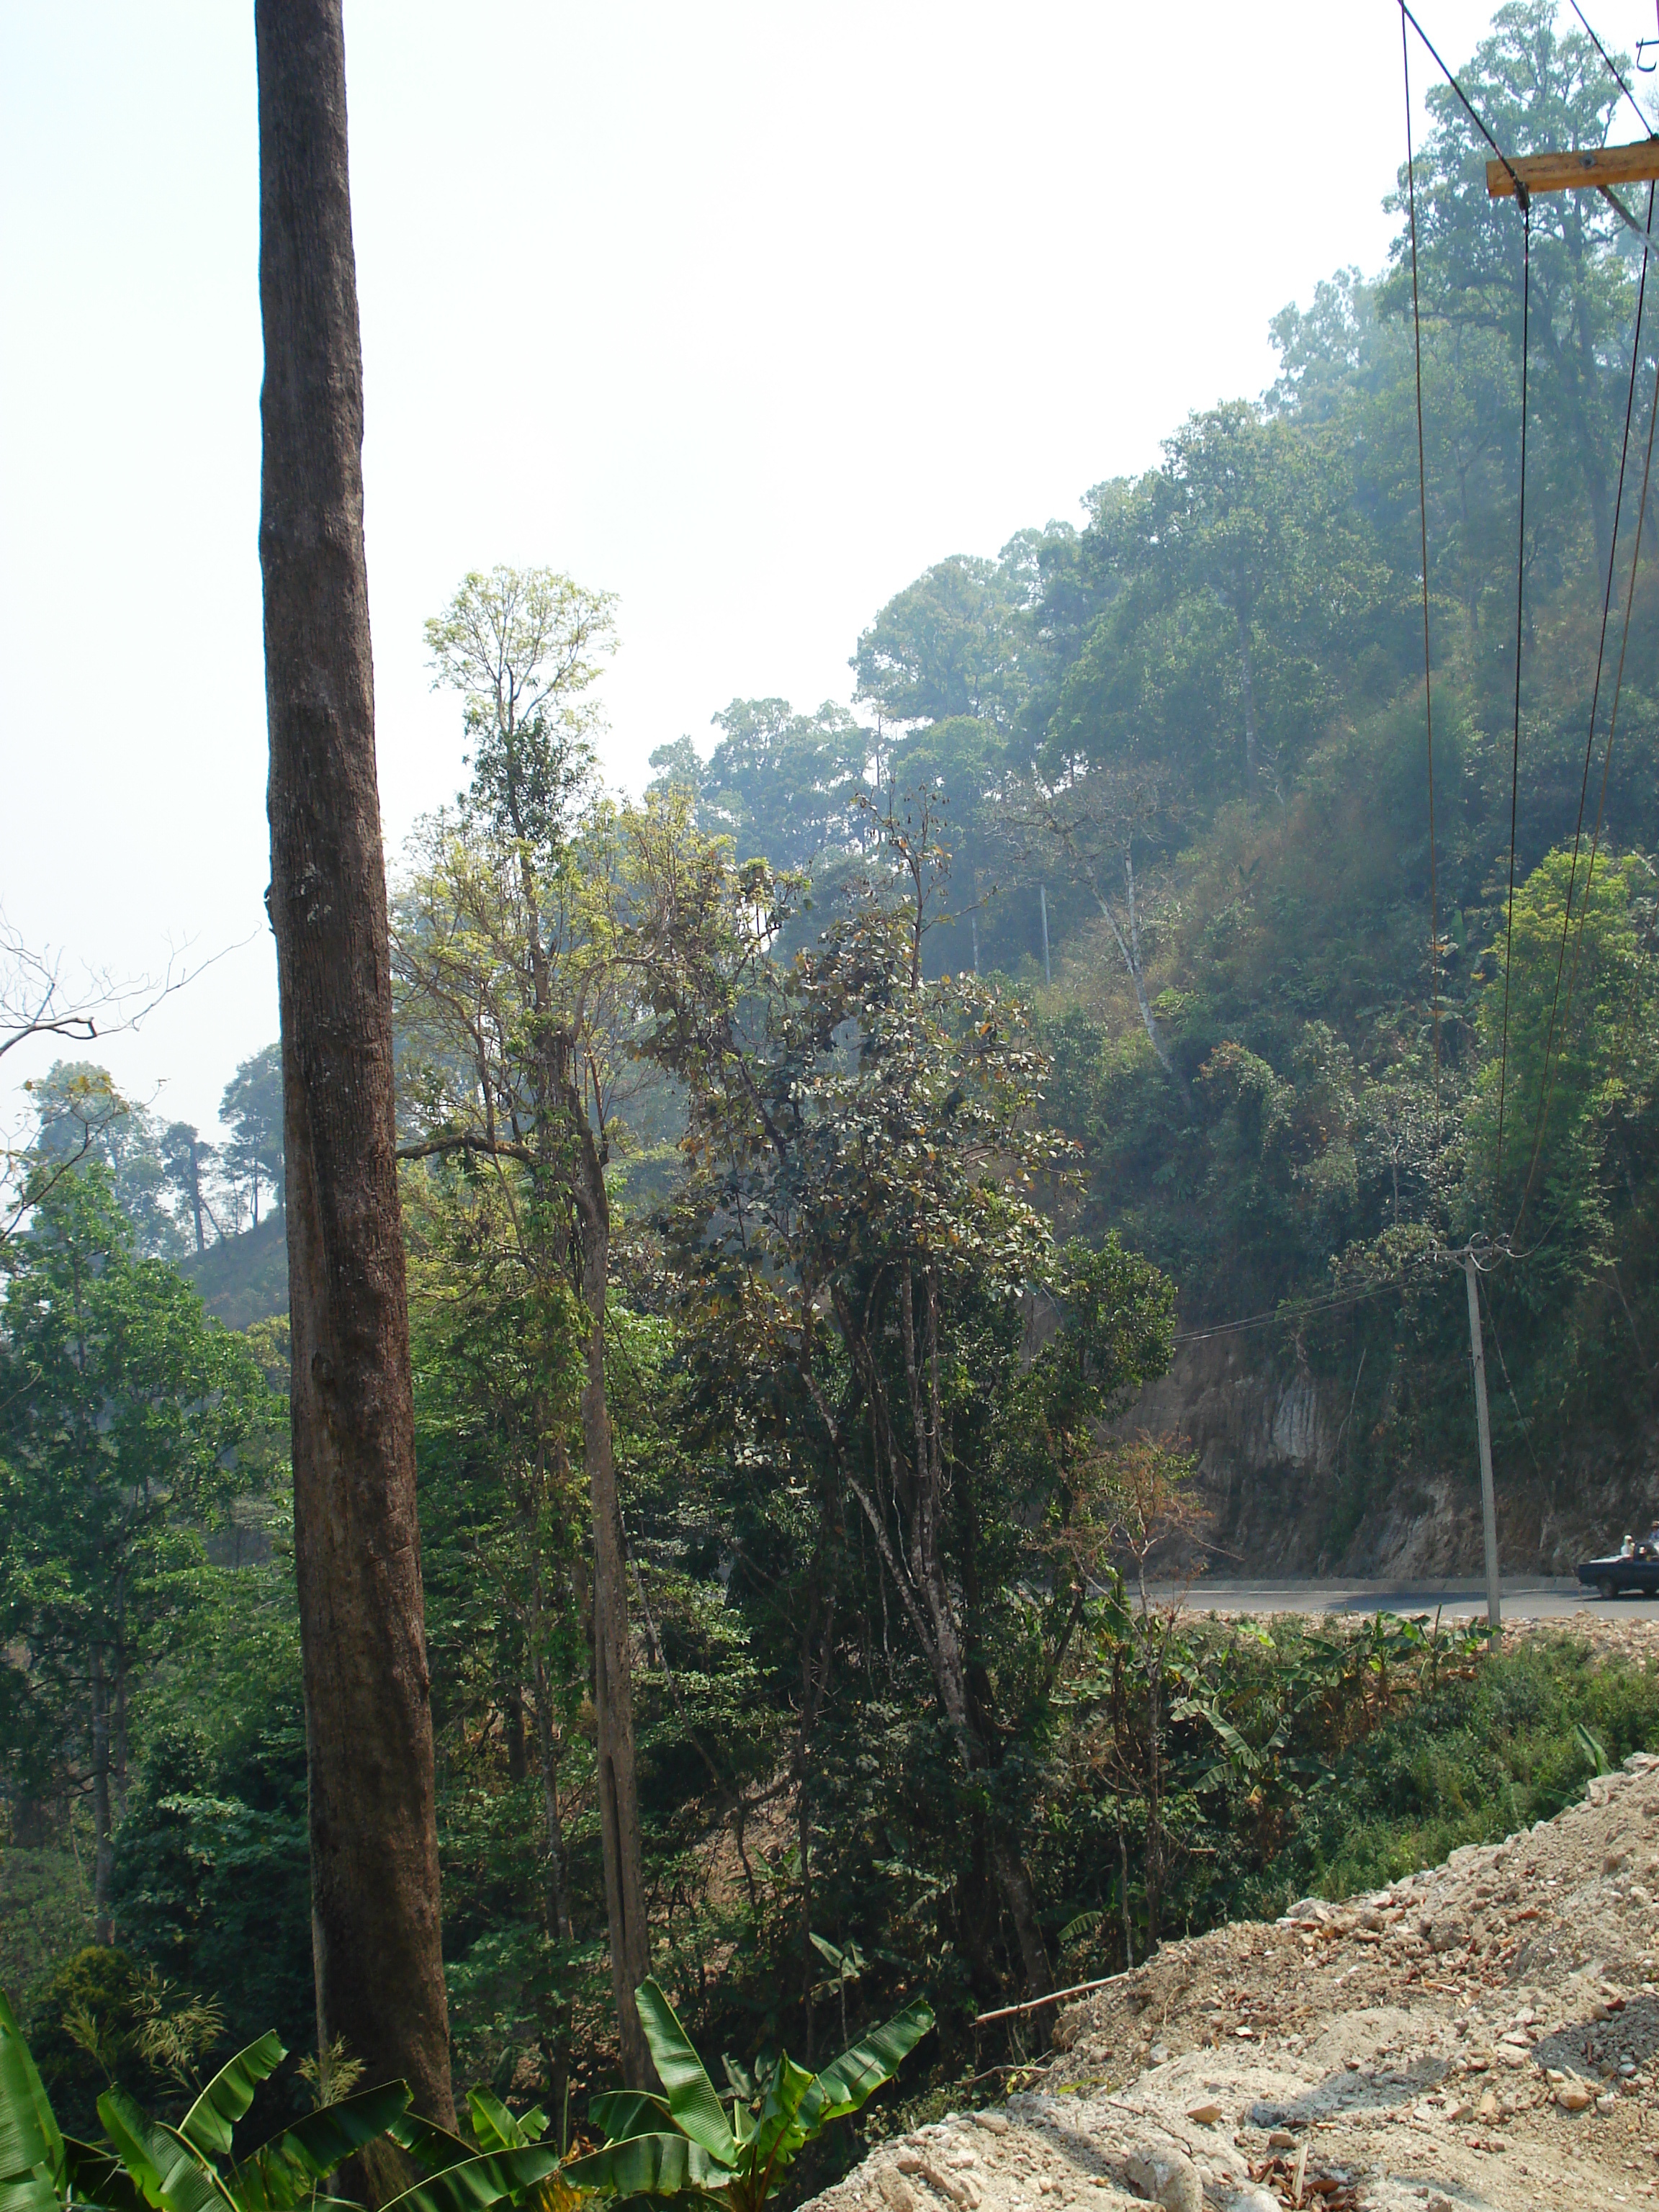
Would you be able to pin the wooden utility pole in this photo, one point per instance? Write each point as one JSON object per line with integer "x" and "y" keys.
{"x": 1597, "y": 169}
{"x": 375, "y": 1936}
{"x": 1483, "y": 1422}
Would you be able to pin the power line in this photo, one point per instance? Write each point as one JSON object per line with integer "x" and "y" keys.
{"x": 1521, "y": 192}
{"x": 1287, "y": 1314}
{"x": 1520, "y": 633}
{"x": 1545, "y": 1088}
{"x": 1613, "y": 721}
{"x": 1524, "y": 200}
{"x": 1423, "y": 519}
{"x": 1612, "y": 71}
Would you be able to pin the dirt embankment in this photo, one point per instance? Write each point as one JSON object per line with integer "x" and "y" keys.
{"x": 1483, "y": 2037}
{"x": 1275, "y": 1457}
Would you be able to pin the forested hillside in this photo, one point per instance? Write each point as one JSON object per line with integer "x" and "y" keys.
{"x": 831, "y": 1148}
{"x": 1194, "y": 732}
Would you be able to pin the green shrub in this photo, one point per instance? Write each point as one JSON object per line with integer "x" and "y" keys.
{"x": 95, "y": 1999}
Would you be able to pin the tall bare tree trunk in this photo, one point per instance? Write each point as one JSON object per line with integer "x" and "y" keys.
{"x": 613, "y": 1658}
{"x": 103, "y": 1861}
{"x": 368, "y": 1722}
{"x": 564, "y": 1100}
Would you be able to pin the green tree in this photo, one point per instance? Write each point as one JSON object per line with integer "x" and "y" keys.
{"x": 124, "y": 1410}
{"x": 959, "y": 641}
{"x": 785, "y": 785}
{"x": 252, "y": 1109}
{"x": 499, "y": 1341}
{"x": 505, "y": 957}
{"x": 1565, "y": 1066}
{"x": 211, "y": 1882}
{"x": 186, "y": 1162}
{"x": 1245, "y": 511}
{"x": 963, "y": 761}
{"x": 855, "y": 1239}
{"x": 83, "y": 1116}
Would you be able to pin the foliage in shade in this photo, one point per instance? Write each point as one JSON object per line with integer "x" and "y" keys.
{"x": 739, "y": 2160}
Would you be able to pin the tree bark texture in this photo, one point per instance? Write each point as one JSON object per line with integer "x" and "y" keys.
{"x": 103, "y": 1863}
{"x": 368, "y": 1723}
{"x": 564, "y": 1102}
{"x": 613, "y": 1658}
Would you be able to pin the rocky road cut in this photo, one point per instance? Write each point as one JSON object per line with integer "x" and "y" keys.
{"x": 1484, "y": 2034}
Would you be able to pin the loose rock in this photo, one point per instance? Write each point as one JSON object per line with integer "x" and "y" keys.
{"x": 1168, "y": 2178}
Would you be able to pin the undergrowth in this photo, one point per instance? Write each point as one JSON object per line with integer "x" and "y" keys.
{"x": 1475, "y": 1759}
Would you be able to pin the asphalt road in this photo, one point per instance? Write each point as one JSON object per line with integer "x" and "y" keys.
{"x": 1525, "y": 1598}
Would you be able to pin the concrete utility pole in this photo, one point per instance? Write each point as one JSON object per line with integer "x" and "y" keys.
{"x": 1483, "y": 1419}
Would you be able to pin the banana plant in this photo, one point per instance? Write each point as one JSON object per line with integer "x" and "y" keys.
{"x": 146, "y": 2166}
{"x": 683, "y": 2143}
{"x": 507, "y": 2162}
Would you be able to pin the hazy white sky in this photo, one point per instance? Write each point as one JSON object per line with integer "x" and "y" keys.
{"x": 746, "y": 313}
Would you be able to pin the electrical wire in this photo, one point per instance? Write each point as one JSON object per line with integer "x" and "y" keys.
{"x": 1423, "y": 520}
{"x": 1503, "y": 1369}
{"x": 1524, "y": 200}
{"x": 1612, "y": 71}
{"x": 1618, "y": 692}
{"x": 1307, "y": 1310}
{"x": 1521, "y": 192}
{"x": 1545, "y": 1087}
{"x": 1520, "y": 634}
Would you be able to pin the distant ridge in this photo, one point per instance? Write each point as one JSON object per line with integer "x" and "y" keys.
{"x": 244, "y": 1278}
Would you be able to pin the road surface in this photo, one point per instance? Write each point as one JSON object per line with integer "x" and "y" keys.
{"x": 1526, "y": 1597}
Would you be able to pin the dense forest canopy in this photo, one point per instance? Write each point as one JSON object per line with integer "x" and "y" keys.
{"x": 838, "y": 1137}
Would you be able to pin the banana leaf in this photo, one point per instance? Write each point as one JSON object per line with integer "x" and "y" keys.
{"x": 31, "y": 2191}
{"x": 95, "y": 2175}
{"x": 1592, "y": 1749}
{"x": 163, "y": 2167}
{"x": 780, "y": 2131}
{"x": 495, "y": 2127}
{"x": 475, "y": 2182}
{"x": 843, "y": 2085}
{"x": 624, "y": 2112}
{"x": 209, "y": 2124}
{"x": 429, "y": 2145}
{"x": 741, "y": 2080}
{"x": 285, "y": 2170}
{"x": 648, "y": 2166}
{"x": 30, "y": 2144}
{"x": 692, "y": 2103}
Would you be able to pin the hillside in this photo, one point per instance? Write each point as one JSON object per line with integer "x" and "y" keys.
{"x": 243, "y": 1279}
{"x": 1337, "y": 968}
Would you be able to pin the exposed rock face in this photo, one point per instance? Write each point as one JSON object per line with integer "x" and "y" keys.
{"x": 1289, "y": 1492}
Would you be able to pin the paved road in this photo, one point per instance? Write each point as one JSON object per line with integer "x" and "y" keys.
{"x": 1525, "y": 1598}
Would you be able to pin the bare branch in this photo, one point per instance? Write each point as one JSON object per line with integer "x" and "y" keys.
{"x": 467, "y": 1141}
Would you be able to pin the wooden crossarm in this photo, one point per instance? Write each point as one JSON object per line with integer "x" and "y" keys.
{"x": 1564, "y": 173}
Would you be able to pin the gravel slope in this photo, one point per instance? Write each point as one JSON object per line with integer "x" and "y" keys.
{"x": 1484, "y": 2035}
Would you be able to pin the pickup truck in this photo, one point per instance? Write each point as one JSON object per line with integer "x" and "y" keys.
{"x": 1637, "y": 1571}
